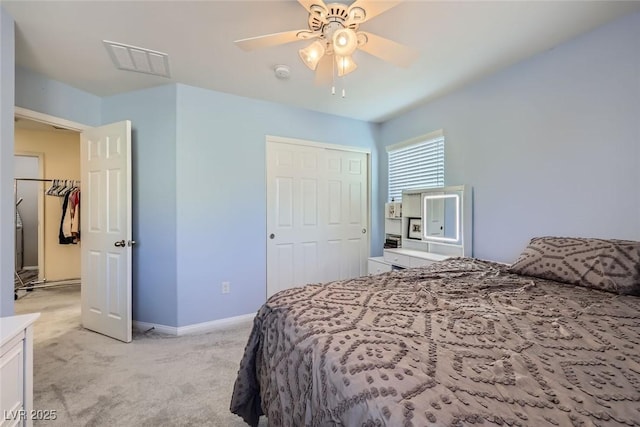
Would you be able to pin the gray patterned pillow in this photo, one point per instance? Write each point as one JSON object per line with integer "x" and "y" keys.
{"x": 608, "y": 265}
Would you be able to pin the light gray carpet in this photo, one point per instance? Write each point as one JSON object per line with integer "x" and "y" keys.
{"x": 156, "y": 380}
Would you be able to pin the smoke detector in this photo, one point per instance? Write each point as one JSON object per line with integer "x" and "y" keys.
{"x": 282, "y": 72}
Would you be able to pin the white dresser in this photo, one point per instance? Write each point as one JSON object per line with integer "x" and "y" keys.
{"x": 16, "y": 370}
{"x": 410, "y": 258}
{"x": 377, "y": 265}
{"x": 395, "y": 259}
{"x": 429, "y": 225}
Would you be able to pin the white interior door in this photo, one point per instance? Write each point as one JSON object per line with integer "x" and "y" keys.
{"x": 317, "y": 215}
{"x": 105, "y": 206}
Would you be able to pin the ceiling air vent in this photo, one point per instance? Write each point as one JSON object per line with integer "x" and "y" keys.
{"x": 139, "y": 59}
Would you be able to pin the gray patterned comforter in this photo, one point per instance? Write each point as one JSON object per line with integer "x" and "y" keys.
{"x": 457, "y": 343}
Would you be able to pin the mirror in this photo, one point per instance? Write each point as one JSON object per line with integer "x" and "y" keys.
{"x": 441, "y": 217}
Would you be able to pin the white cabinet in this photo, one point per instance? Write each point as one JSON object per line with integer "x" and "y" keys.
{"x": 400, "y": 258}
{"x": 396, "y": 258}
{"x": 446, "y": 211}
{"x": 377, "y": 265}
{"x": 16, "y": 370}
{"x": 408, "y": 258}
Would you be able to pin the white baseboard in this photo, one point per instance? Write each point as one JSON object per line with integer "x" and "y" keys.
{"x": 145, "y": 326}
{"x": 197, "y": 327}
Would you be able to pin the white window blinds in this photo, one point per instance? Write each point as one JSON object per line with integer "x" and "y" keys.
{"x": 418, "y": 163}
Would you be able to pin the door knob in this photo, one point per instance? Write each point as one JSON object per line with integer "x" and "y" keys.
{"x": 131, "y": 242}
{"x": 119, "y": 244}
{"x": 272, "y": 236}
{"x": 364, "y": 231}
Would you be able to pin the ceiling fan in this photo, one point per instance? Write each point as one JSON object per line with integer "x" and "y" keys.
{"x": 334, "y": 29}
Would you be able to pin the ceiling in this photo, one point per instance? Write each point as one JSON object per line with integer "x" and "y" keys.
{"x": 458, "y": 42}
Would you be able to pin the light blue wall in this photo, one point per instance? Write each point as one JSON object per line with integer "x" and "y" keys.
{"x": 550, "y": 145}
{"x": 221, "y": 196}
{"x": 38, "y": 93}
{"x": 172, "y": 261}
{"x": 153, "y": 116}
{"x": 7, "y": 230}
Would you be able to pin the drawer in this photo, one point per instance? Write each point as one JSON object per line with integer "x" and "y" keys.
{"x": 10, "y": 345}
{"x": 397, "y": 259}
{"x": 12, "y": 384}
{"x": 377, "y": 266}
{"x": 420, "y": 262}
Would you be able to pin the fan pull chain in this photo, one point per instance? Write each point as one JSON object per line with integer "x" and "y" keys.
{"x": 342, "y": 79}
{"x": 333, "y": 77}
{"x": 344, "y": 91}
{"x": 333, "y": 80}
{"x": 333, "y": 84}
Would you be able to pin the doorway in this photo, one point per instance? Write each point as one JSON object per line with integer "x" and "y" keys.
{"x": 43, "y": 151}
{"x": 105, "y": 262}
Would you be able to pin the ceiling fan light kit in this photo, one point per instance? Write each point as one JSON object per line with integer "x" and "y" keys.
{"x": 311, "y": 54}
{"x": 345, "y": 65}
{"x": 335, "y": 27}
{"x": 345, "y": 42}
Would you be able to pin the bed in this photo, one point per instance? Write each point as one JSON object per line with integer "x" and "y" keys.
{"x": 460, "y": 342}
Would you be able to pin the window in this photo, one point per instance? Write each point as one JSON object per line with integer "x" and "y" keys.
{"x": 417, "y": 163}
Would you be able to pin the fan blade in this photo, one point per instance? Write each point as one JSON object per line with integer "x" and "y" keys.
{"x": 362, "y": 10}
{"x": 313, "y": 6}
{"x": 274, "y": 39}
{"x": 324, "y": 71}
{"x": 388, "y": 50}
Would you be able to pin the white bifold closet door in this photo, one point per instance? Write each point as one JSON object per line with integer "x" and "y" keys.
{"x": 317, "y": 214}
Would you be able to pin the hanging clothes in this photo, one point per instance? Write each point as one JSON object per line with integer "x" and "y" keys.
{"x": 69, "y": 232}
{"x": 74, "y": 209}
{"x": 70, "y": 222}
{"x": 62, "y": 239}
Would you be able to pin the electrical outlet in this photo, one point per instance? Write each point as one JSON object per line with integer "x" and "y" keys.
{"x": 226, "y": 287}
